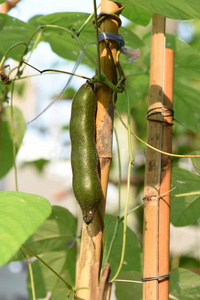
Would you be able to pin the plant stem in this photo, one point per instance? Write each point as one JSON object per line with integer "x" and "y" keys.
{"x": 128, "y": 190}
{"x": 97, "y": 39}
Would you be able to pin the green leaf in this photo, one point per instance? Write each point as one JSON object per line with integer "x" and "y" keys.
{"x": 184, "y": 53}
{"x": 46, "y": 282}
{"x": 20, "y": 215}
{"x": 2, "y": 1}
{"x": 6, "y": 137}
{"x": 130, "y": 38}
{"x": 132, "y": 259}
{"x": 186, "y": 106}
{"x": 126, "y": 290}
{"x": 61, "y": 42}
{"x": 137, "y": 15}
{"x": 56, "y": 231}
{"x": 196, "y": 161}
{"x": 185, "y": 202}
{"x": 184, "y": 285}
{"x": 14, "y": 31}
{"x": 179, "y": 9}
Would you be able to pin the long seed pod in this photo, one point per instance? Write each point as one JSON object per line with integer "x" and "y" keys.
{"x": 84, "y": 158}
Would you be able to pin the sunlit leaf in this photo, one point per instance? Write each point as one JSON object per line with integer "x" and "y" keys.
{"x": 179, "y": 9}
{"x": 137, "y": 14}
{"x": 20, "y": 215}
{"x": 14, "y": 31}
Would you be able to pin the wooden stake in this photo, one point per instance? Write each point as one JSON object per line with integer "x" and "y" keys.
{"x": 153, "y": 159}
{"x": 90, "y": 252}
{"x": 8, "y": 5}
{"x": 166, "y": 162}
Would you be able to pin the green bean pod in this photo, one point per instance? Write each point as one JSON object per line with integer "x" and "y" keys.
{"x": 84, "y": 159}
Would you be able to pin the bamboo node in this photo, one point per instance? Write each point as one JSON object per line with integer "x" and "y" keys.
{"x": 150, "y": 198}
{"x": 104, "y": 15}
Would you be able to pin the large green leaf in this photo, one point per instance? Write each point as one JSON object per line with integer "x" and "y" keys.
{"x": 46, "y": 282}
{"x": 13, "y": 31}
{"x": 56, "y": 231}
{"x": 137, "y": 14}
{"x": 184, "y": 285}
{"x": 6, "y": 137}
{"x": 185, "y": 202}
{"x": 179, "y": 9}
{"x": 186, "y": 105}
{"x": 126, "y": 290}
{"x": 20, "y": 215}
{"x": 67, "y": 47}
{"x": 187, "y": 58}
{"x": 61, "y": 42}
{"x": 132, "y": 259}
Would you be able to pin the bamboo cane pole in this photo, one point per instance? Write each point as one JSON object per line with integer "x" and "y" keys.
{"x": 166, "y": 164}
{"x": 8, "y": 5}
{"x": 90, "y": 251}
{"x": 153, "y": 159}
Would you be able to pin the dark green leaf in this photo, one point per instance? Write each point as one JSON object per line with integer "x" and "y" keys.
{"x": 126, "y": 290}
{"x": 46, "y": 282}
{"x": 132, "y": 259}
{"x": 179, "y": 9}
{"x": 20, "y": 215}
{"x": 6, "y": 137}
{"x": 185, "y": 202}
{"x": 56, "y": 231}
{"x": 184, "y": 285}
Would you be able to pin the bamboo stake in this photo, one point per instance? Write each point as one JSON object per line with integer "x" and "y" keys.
{"x": 166, "y": 164}
{"x": 90, "y": 252}
{"x": 153, "y": 159}
{"x": 8, "y": 5}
